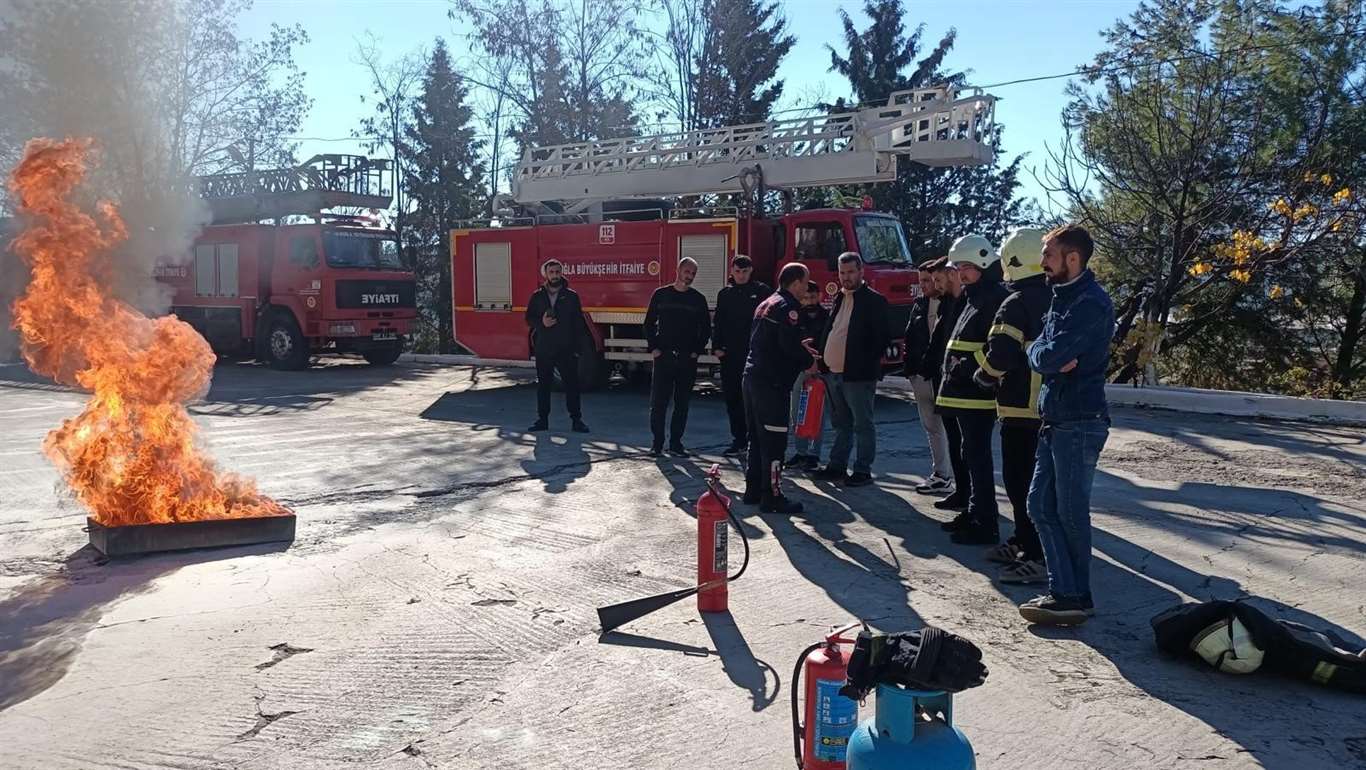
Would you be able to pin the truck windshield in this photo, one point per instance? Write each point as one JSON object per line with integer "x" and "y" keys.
{"x": 880, "y": 239}
{"x": 348, "y": 248}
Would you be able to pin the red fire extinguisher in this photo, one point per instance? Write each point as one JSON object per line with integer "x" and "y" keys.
{"x": 811, "y": 408}
{"x": 713, "y": 512}
{"x": 821, "y": 740}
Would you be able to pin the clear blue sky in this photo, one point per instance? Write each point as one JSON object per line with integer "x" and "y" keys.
{"x": 998, "y": 40}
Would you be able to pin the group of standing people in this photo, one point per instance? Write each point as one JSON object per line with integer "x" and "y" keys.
{"x": 1018, "y": 337}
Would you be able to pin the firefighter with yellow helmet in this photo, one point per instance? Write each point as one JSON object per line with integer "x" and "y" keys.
{"x": 1006, "y": 370}
{"x": 961, "y": 397}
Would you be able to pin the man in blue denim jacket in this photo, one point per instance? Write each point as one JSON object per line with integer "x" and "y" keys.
{"x": 1072, "y": 354}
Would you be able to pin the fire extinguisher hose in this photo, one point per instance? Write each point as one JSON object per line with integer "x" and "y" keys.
{"x": 714, "y": 485}
{"x": 796, "y": 690}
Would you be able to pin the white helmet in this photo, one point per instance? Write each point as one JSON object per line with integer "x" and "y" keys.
{"x": 1228, "y": 646}
{"x": 972, "y": 250}
{"x": 1022, "y": 253}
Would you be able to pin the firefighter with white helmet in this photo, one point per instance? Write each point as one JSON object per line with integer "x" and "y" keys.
{"x": 961, "y": 397}
{"x": 1006, "y": 370}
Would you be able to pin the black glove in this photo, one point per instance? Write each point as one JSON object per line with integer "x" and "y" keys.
{"x": 928, "y": 659}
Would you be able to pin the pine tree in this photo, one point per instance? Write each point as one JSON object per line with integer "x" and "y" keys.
{"x": 743, "y": 45}
{"x": 936, "y": 205}
{"x": 445, "y": 184}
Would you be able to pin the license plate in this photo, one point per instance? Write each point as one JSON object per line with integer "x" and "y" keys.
{"x": 383, "y": 336}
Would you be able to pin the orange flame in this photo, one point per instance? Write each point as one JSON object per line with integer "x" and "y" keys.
{"x": 130, "y": 456}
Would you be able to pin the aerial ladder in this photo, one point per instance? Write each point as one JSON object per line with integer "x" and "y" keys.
{"x": 939, "y": 126}
{"x": 320, "y": 183}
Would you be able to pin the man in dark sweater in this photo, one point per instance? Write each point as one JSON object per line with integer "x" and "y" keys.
{"x": 556, "y": 320}
{"x": 920, "y": 327}
{"x": 677, "y": 329}
{"x": 856, "y": 336}
{"x": 735, "y": 305}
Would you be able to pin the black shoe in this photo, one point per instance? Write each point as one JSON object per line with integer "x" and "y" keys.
{"x": 752, "y": 497}
{"x": 677, "y": 450}
{"x": 832, "y": 473}
{"x": 971, "y": 535}
{"x": 795, "y": 461}
{"x": 656, "y": 451}
{"x": 736, "y": 449}
{"x": 780, "y": 505}
{"x": 810, "y": 463}
{"x": 951, "y": 503}
{"x": 579, "y": 427}
{"x": 858, "y": 479}
{"x": 956, "y": 523}
{"x": 538, "y": 426}
{"x": 1051, "y": 611}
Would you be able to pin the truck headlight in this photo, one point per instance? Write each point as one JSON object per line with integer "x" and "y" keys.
{"x": 342, "y": 329}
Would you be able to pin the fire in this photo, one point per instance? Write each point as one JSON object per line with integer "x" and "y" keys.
{"x": 130, "y": 456}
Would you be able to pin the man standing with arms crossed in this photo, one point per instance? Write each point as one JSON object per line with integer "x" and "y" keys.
{"x": 1072, "y": 353}
{"x": 856, "y": 336}
{"x": 919, "y": 329}
{"x": 778, "y": 352}
{"x": 556, "y": 320}
{"x": 735, "y": 305}
{"x": 677, "y": 329}
{"x": 1006, "y": 371}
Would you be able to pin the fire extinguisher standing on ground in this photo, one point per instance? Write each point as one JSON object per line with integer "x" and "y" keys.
{"x": 821, "y": 740}
{"x": 713, "y": 515}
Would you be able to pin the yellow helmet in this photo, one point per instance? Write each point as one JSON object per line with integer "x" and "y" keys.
{"x": 1228, "y": 646}
{"x": 1022, "y": 253}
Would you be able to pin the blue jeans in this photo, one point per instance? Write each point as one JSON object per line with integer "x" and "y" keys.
{"x": 1060, "y": 502}
{"x": 806, "y": 446}
{"x": 851, "y": 412}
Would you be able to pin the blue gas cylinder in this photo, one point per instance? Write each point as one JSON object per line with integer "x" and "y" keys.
{"x": 910, "y": 730}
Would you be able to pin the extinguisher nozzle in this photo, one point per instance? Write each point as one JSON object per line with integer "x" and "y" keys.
{"x": 616, "y": 615}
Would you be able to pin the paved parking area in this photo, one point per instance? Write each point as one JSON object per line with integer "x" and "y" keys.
{"x": 437, "y": 608}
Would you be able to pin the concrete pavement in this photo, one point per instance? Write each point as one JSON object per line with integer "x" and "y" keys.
{"x": 437, "y": 609}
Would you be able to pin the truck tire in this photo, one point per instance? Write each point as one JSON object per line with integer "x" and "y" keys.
{"x": 383, "y": 356}
{"x": 286, "y": 347}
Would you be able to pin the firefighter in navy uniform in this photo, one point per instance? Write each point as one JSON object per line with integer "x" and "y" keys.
{"x": 962, "y": 397}
{"x": 779, "y": 349}
{"x": 1006, "y": 370}
{"x": 734, "y": 316}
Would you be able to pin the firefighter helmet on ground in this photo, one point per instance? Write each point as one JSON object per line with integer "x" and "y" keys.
{"x": 1022, "y": 253}
{"x": 1228, "y": 646}
{"x": 972, "y": 250}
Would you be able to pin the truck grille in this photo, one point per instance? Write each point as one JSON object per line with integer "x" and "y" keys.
{"x": 370, "y": 295}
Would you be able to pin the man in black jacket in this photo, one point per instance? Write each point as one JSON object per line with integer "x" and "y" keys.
{"x": 852, "y": 346}
{"x": 950, "y": 290}
{"x": 1006, "y": 370}
{"x": 920, "y": 326}
{"x": 979, "y": 268}
{"x": 557, "y": 332}
{"x": 735, "y": 305}
{"x": 778, "y": 352}
{"x": 806, "y": 453}
{"x": 677, "y": 329}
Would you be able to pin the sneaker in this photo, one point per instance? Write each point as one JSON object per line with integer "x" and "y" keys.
{"x": 971, "y": 535}
{"x": 858, "y": 479}
{"x": 934, "y": 484}
{"x": 751, "y": 497}
{"x": 1005, "y": 553}
{"x": 1026, "y": 572}
{"x": 780, "y": 505}
{"x": 956, "y": 523}
{"x": 1052, "y": 611}
{"x": 832, "y": 473}
{"x": 538, "y": 426}
{"x": 656, "y": 451}
{"x": 951, "y": 503}
{"x": 580, "y": 426}
{"x": 677, "y": 450}
{"x": 736, "y": 449}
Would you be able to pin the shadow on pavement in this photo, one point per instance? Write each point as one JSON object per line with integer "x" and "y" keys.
{"x": 622, "y": 639}
{"x": 738, "y": 660}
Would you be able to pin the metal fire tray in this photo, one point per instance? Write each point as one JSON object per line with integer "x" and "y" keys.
{"x": 135, "y": 539}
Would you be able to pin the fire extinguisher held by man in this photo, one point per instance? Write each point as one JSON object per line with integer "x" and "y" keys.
{"x": 809, "y": 415}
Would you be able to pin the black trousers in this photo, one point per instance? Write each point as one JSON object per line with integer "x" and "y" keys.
{"x": 732, "y": 370}
{"x": 568, "y": 367}
{"x": 962, "y": 486}
{"x": 1019, "y": 445}
{"x": 766, "y": 416}
{"x": 977, "y": 427}
{"x": 672, "y": 379}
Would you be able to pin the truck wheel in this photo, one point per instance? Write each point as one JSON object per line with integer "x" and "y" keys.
{"x": 286, "y": 347}
{"x": 383, "y": 356}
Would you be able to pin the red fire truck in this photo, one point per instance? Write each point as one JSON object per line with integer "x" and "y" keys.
{"x": 604, "y": 209}
{"x": 308, "y": 281}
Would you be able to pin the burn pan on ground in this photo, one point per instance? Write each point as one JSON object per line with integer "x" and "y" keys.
{"x": 137, "y": 539}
